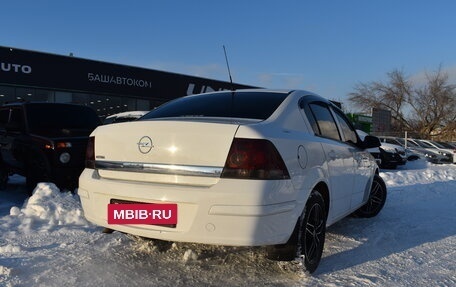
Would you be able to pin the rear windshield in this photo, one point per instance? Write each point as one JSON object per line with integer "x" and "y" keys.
{"x": 58, "y": 116}
{"x": 246, "y": 105}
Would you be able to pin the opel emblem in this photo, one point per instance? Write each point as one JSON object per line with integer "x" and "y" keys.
{"x": 145, "y": 144}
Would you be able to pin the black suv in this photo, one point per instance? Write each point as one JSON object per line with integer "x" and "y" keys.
{"x": 44, "y": 142}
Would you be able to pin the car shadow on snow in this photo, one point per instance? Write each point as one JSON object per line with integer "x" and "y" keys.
{"x": 412, "y": 216}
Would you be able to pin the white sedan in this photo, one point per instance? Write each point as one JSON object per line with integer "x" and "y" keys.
{"x": 242, "y": 168}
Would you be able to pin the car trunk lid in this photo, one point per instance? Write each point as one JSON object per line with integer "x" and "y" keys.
{"x": 165, "y": 151}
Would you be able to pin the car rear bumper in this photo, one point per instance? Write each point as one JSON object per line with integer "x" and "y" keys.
{"x": 230, "y": 212}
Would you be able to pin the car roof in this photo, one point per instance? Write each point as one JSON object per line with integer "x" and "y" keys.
{"x": 128, "y": 114}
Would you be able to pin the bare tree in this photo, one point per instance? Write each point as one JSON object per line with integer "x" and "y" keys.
{"x": 428, "y": 109}
{"x": 433, "y": 104}
{"x": 391, "y": 95}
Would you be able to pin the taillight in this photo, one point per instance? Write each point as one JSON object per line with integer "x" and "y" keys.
{"x": 254, "y": 159}
{"x": 90, "y": 153}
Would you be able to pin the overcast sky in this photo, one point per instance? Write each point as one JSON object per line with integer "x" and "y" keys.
{"x": 323, "y": 46}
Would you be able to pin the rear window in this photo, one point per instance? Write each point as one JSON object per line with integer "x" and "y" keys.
{"x": 247, "y": 105}
{"x": 57, "y": 116}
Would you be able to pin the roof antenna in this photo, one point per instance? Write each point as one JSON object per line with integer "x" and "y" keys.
{"x": 228, "y": 66}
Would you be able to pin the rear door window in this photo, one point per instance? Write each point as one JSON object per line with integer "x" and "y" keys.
{"x": 346, "y": 129}
{"x": 325, "y": 124}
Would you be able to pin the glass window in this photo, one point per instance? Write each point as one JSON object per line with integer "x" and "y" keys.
{"x": 437, "y": 144}
{"x": 114, "y": 105}
{"x": 47, "y": 117}
{"x": 24, "y": 94}
{"x": 424, "y": 144}
{"x": 347, "y": 131}
{"x": 143, "y": 105}
{"x": 445, "y": 145}
{"x": 412, "y": 144}
{"x": 63, "y": 97}
{"x": 129, "y": 104}
{"x": 7, "y": 94}
{"x": 80, "y": 99}
{"x": 312, "y": 121}
{"x": 43, "y": 96}
{"x": 250, "y": 105}
{"x": 390, "y": 141}
{"x": 325, "y": 121}
{"x": 401, "y": 141}
{"x": 98, "y": 103}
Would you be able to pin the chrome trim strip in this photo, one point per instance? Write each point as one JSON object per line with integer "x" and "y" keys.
{"x": 190, "y": 170}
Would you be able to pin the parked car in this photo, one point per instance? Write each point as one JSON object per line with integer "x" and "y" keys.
{"x": 245, "y": 168}
{"x": 392, "y": 155}
{"x": 443, "y": 157}
{"x": 388, "y": 156}
{"x": 449, "y": 153}
{"x": 410, "y": 153}
{"x": 44, "y": 142}
{"x": 124, "y": 117}
{"x": 430, "y": 153}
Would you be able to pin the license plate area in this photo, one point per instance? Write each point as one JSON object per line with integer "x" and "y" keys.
{"x": 121, "y": 201}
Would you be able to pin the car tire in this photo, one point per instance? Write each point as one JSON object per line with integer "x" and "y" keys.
{"x": 376, "y": 201}
{"x": 308, "y": 238}
{"x": 312, "y": 232}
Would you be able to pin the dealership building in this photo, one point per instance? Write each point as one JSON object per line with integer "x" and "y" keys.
{"x": 106, "y": 87}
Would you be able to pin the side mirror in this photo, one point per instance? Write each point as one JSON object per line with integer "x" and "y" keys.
{"x": 371, "y": 142}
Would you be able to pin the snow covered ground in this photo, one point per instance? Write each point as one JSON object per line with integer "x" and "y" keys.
{"x": 45, "y": 241}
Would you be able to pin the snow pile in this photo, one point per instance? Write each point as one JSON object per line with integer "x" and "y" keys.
{"x": 46, "y": 209}
{"x": 419, "y": 172}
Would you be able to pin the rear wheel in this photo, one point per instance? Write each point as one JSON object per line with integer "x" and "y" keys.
{"x": 312, "y": 232}
{"x": 376, "y": 201}
{"x": 308, "y": 238}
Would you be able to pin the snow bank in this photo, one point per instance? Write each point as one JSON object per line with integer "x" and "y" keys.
{"x": 419, "y": 172}
{"x": 46, "y": 209}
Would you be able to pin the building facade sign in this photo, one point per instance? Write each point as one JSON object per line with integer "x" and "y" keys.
{"x": 48, "y": 71}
